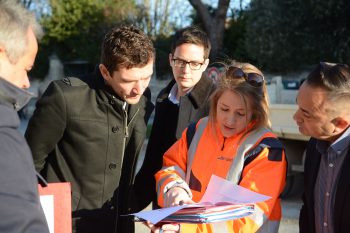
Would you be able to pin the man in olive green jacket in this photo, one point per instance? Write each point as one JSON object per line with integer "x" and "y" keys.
{"x": 89, "y": 131}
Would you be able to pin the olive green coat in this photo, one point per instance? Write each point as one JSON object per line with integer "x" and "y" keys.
{"x": 80, "y": 133}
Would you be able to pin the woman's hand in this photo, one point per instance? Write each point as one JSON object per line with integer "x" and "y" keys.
{"x": 165, "y": 228}
{"x": 177, "y": 196}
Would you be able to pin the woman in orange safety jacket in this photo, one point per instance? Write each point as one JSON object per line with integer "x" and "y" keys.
{"x": 234, "y": 143}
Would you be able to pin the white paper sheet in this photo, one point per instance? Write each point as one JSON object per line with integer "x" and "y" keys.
{"x": 221, "y": 190}
{"x": 48, "y": 207}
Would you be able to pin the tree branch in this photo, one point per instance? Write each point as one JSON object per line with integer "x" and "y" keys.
{"x": 203, "y": 13}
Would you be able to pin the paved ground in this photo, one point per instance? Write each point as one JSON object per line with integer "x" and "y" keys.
{"x": 290, "y": 211}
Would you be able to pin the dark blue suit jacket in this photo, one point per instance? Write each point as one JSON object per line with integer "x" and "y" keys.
{"x": 341, "y": 216}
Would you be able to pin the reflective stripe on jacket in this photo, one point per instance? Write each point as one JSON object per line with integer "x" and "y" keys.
{"x": 247, "y": 161}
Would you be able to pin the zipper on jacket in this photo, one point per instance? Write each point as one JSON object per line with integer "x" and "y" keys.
{"x": 137, "y": 154}
{"x": 133, "y": 117}
{"x": 126, "y": 135}
{"x": 126, "y": 123}
{"x": 126, "y": 129}
{"x": 223, "y": 144}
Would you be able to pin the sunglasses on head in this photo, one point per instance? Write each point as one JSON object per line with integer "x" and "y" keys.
{"x": 254, "y": 79}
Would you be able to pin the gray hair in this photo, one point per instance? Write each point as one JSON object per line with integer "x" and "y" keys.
{"x": 15, "y": 21}
{"x": 332, "y": 77}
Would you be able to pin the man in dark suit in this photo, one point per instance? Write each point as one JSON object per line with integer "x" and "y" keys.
{"x": 324, "y": 114}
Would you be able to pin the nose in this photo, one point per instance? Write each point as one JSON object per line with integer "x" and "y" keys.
{"x": 186, "y": 68}
{"x": 139, "y": 87}
{"x": 296, "y": 116}
{"x": 230, "y": 120}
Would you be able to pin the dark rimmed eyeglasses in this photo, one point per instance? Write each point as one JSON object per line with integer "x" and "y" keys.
{"x": 194, "y": 65}
{"x": 254, "y": 79}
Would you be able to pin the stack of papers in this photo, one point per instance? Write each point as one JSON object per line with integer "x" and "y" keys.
{"x": 222, "y": 201}
{"x": 209, "y": 213}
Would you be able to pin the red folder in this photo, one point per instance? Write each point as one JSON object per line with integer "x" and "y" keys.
{"x": 61, "y": 193}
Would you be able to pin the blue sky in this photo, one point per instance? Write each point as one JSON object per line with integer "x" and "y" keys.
{"x": 181, "y": 9}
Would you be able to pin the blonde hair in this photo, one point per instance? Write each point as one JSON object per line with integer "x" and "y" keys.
{"x": 256, "y": 96}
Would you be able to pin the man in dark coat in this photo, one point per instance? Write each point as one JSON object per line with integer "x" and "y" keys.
{"x": 324, "y": 114}
{"x": 89, "y": 131}
{"x": 20, "y": 209}
{"x": 182, "y": 101}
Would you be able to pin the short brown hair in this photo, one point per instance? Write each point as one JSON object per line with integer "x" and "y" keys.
{"x": 126, "y": 46}
{"x": 191, "y": 35}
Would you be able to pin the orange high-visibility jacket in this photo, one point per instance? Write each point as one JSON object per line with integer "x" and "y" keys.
{"x": 261, "y": 169}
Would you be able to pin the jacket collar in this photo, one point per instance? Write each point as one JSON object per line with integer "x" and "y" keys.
{"x": 13, "y": 96}
{"x": 200, "y": 91}
{"x": 104, "y": 91}
{"x": 108, "y": 95}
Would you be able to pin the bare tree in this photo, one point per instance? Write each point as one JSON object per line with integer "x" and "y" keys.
{"x": 214, "y": 24}
{"x": 161, "y": 17}
{"x": 39, "y": 7}
{"x": 26, "y": 3}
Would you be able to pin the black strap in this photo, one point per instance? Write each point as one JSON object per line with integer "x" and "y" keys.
{"x": 275, "y": 153}
{"x": 191, "y": 130}
{"x": 41, "y": 180}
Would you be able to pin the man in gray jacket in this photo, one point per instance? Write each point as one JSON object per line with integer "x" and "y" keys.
{"x": 89, "y": 130}
{"x": 20, "y": 209}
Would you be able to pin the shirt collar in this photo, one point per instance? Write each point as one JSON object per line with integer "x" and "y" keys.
{"x": 173, "y": 93}
{"x": 340, "y": 145}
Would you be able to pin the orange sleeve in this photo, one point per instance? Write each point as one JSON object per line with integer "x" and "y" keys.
{"x": 268, "y": 178}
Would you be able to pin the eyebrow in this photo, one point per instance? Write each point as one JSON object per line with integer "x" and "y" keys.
{"x": 136, "y": 79}
{"x": 179, "y": 58}
{"x": 305, "y": 111}
{"x": 144, "y": 78}
{"x": 225, "y": 105}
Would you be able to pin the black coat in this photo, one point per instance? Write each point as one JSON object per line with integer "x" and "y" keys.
{"x": 342, "y": 197}
{"x": 78, "y": 134}
{"x": 169, "y": 122}
{"x": 20, "y": 209}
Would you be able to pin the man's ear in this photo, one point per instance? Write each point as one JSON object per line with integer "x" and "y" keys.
{"x": 2, "y": 51}
{"x": 340, "y": 124}
{"x": 3, "y": 57}
{"x": 205, "y": 64}
{"x": 104, "y": 71}
{"x": 170, "y": 59}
